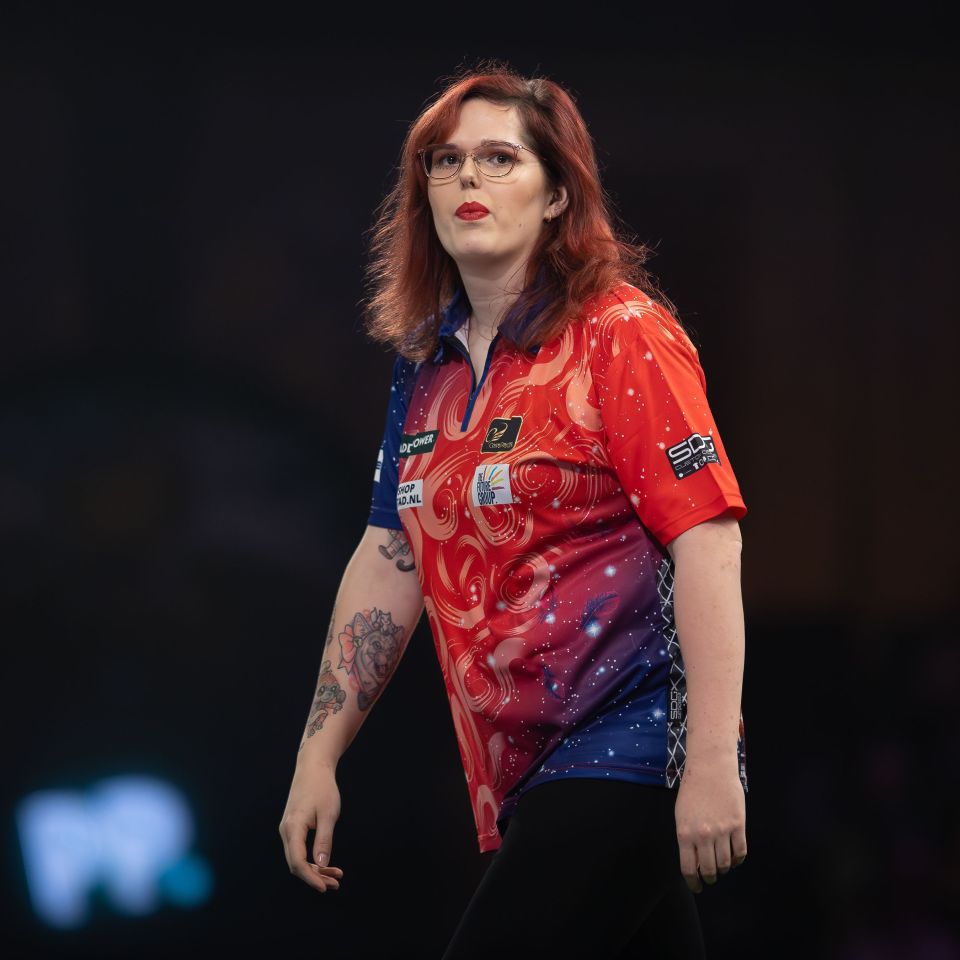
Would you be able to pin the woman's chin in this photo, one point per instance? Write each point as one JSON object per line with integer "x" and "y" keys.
{"x": 469, "y": 252}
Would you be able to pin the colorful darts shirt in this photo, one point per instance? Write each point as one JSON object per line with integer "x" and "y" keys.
{"x": 537, "y": 503}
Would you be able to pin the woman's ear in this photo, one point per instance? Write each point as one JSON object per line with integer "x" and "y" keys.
{"x": 559, "y": 199}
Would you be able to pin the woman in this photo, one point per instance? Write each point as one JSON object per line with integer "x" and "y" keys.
{"x": 552, "y": 488}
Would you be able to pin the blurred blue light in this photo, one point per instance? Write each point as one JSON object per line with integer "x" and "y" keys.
{"x": 128, "y": 836}
{"x": 188, "y": 882}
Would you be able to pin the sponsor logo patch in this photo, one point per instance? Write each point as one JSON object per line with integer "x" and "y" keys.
{"x": 413, "y": 443}
{"x": 676, "y": 704}
{"x": 501, "y": 434}
{"x": 692, "y": 454}
{"x": 491, "y": 485}
{"x": 410, "y": 494}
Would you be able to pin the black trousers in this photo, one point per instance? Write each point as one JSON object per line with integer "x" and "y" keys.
{"x": 586, "y": 868}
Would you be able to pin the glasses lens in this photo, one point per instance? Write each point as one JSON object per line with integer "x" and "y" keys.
{"x": 496, "y": 159}
{"x": 441, "y": 162}
{"x": 493, "y": 159}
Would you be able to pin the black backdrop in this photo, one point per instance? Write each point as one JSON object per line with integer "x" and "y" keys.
{"x": 191, "y": 414}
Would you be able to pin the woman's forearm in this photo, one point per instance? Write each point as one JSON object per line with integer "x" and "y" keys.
{"x": 708, "y": 610}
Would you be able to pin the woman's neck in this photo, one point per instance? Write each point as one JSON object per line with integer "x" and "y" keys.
{"x": 471, "y": 330}
{"x": 492, "y": 297}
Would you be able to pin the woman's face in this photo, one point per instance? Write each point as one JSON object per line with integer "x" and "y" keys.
{"x": 517, "y": 203}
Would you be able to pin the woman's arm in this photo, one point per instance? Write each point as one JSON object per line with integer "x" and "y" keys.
{"x": 376, "y": 610}
{"x": 708, "y": 610}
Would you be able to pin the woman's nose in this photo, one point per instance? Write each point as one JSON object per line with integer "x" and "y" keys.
{"x": 469, "y": 173}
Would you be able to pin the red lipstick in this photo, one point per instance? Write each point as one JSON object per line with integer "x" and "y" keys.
{"x": 471, "y": 211}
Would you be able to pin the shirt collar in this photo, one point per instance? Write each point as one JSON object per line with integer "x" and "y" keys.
{"x": 458, "y": 309}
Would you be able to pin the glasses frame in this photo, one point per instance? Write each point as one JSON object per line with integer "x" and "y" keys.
{"x": 421, "y": 153}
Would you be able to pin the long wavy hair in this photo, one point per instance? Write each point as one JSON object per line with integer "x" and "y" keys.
{"x": 579, "y": 254}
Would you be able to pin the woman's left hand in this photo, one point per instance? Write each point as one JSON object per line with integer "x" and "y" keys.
{"x": 711, "y": 820}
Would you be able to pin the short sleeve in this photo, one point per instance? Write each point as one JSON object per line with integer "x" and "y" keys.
{"x": 383, "y": 502}
{"x": 662, "y": 438}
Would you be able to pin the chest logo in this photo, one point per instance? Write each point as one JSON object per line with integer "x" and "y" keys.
{"x": 410, "y": 494}
{"x": 413, "y": 443}
{"x": 501, "y": 435}
{"x": 491, "y": 484}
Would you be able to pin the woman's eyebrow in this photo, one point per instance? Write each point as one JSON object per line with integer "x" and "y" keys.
{"x": 480, "y": 144}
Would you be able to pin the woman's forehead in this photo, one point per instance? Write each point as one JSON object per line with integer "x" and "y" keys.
{"x": 481, "y": 120}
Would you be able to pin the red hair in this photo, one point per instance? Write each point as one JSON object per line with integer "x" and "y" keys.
{"x": 579, "y": 254}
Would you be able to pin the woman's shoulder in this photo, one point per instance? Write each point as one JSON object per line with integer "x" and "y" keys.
{"x": 626, "y": 317}
{"x": 403, "y": 378}
{"x": 626, "y": 302}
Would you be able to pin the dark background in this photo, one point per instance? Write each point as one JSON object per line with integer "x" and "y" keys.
{"x": 190, "y": 419}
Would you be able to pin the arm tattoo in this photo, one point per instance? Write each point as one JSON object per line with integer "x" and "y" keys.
{"x": 398, "y": 545}
{"x": 370, "y": 649}
{"x": 329, "y": 640}
{"x": 328, "y": 699}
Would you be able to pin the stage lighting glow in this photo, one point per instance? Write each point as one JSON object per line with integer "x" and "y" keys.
{"x": 127, "y": 837}
{"x": 188, "y": 882}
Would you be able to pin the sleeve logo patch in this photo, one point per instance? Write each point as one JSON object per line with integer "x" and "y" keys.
{"x": 501, "y": 434}
{"x": 376, "y": 473}
{"x": 491, "y": 485}
{"x": 692, "y": 454}
{"x": 413, "y": 443}
{"x": 410, "y": 494}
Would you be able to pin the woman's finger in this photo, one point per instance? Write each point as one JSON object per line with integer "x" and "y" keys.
{"x": 321, "y": 885}
{"x": 707, "y": 860}
{"x": 738, "y": 840}
{"x": 328, "y": 883}
{"x": 319, "y": 881}
{"x": 688, "y": 863}
{"x": 724, "y": 853}
{"x": 294, "y": 833}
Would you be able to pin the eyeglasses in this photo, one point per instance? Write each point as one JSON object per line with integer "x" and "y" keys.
{"x": 494, "y": 158}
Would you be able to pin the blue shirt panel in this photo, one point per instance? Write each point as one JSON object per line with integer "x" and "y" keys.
{"x": 383, "y": 502}
{"x": 626, "y": 741}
